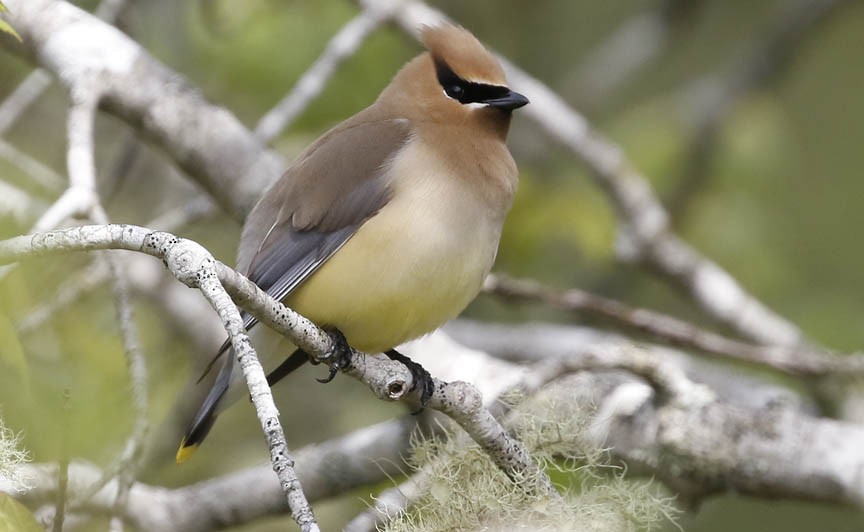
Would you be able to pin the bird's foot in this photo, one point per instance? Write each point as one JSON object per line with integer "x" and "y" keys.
{"x": 422, "y": 378}
{"x": 339, "y": 357}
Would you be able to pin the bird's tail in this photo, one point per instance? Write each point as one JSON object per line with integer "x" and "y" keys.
{"x": 229, "y": 386}
{"x": 206, "y": 416}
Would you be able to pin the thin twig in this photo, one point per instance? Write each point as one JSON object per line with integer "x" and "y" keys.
{"x": 342, "y": 46}
{"x": 206, "y": 141}
{"x": 259, "y": 390}
{"x": 127, "y": 464}
{"x": 675, "y": 331}
{"x": 35, "y": 84}
{"x": 46, "y": 180}
{"x": 62, "y": 468}
{"x": 82, "y": 185}
{"x": 24, "y": 95}
{"x": 97, "y": 273}
{"x": 633, "y": 45}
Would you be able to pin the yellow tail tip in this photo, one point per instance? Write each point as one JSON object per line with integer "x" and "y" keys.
{"x": 185, "y": 451}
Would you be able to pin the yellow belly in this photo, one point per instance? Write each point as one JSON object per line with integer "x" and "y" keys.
{"x": 409, "y": 269}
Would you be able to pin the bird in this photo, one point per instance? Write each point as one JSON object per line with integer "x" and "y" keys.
{"x": 385, "y": 227}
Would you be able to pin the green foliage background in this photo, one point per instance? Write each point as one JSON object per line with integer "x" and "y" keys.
{"x": 780, "y": 208}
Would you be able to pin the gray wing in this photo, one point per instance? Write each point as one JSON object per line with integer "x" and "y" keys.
{"x": 320, "y": 202}
{"x": 337, "y": 184}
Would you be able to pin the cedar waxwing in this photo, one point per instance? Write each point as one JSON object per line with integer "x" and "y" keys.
{"x": 386, "y": 226}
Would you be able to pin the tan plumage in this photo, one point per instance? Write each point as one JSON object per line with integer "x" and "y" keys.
{"x": 385, "y": 227}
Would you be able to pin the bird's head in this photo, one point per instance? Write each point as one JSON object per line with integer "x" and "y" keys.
{"x": 456, "y": 81}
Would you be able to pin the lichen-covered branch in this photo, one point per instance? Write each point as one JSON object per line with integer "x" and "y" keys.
{"x": 744, "y": 435}
{"x": 200, "y": 269}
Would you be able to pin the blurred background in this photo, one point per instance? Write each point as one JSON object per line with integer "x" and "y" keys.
{"x": 747, "y": 117}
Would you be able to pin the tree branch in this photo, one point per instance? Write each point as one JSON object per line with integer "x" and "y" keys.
{"x": 794, "y": 361}
{"x": 326, "y": 469}
{"x": 195, "y": 267}
{"x": 205, "y": 140}
{"x": 389, "y": 380}
{"x": 635, "y": 43}
{"x": 342, "y": 46}
{"x": 743, "y": 438}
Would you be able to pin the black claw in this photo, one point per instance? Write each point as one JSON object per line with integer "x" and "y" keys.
{"x": 421, "y": 377}
{"x": 339, "y": 357}
{"x": 333, "y": 371}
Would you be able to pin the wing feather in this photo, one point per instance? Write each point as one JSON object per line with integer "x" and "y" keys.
{"x": 337, "y": 184}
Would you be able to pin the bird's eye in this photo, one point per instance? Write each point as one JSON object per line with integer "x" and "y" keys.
{"x": 454, "y": 91}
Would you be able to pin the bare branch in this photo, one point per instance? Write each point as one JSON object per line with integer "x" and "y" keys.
{"x": 634, "y": 44}
{"x": 342, "y": 46}
{"x": 200, "y": 264}
{"x": 127, "y": 464}
{"x": 540, "y": 343}
{"x": 46, "y": 178}
{"x": 139, "y": 273}
{"x": 650, "y": 431}
{"x": 80, "y": 198}
{"x": 795, "y": 361}
{"x": 205, "y": 140}
{"x": 24, "y": 95}
{"x": 194, "y": 266}
{"x": 364, "y": 457}
{"x": 35, "y": 84}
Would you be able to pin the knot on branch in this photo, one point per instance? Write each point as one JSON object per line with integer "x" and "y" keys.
{"x": 188, "y": 261}
{"x": 459, "y": 396}
{"x": 388, "y": 380}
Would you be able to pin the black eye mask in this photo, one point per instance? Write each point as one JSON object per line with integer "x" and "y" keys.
{"x": 467, "y": 91}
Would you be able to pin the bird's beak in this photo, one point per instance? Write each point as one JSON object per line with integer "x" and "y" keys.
{"x": 512, "y": 100}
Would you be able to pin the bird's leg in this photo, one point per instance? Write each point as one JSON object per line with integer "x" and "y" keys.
{"x": 422, "y": 378}
{"x": 339, "y": 357}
